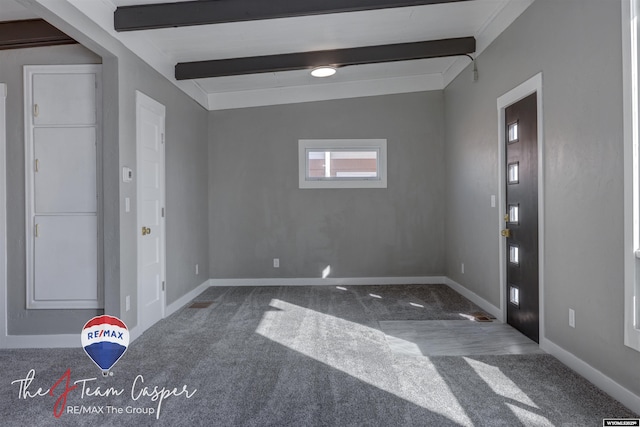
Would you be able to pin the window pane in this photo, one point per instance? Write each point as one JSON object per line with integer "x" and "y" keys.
{"x": 316, "y": 164}
{"x": 513, "y": 132}
{"x": 513, "y": 173}
{"x": 514, "y": 295}
{"x": 342, "y": 164}
{"x": 514, "y": 254}
{"x": 514, "y": 214}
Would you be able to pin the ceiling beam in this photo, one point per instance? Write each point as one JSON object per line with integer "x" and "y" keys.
{"x": 336, "y": 58}
{"x": 203, "y": 12}
{"x": 31, "y": 33}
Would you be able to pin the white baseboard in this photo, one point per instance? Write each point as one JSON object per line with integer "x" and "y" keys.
{"x": 475, "y": 298}
{"x": 597, "y": 378}
{"x": 348, "y": 281}
{"x": 185, "y": 299}
{"x": 73, "y": 340}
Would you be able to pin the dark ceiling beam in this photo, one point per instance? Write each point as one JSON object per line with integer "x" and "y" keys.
{"x": 202, "y": 12}
{"x": 337, "y": 58}
{"x": 31, "y": 33}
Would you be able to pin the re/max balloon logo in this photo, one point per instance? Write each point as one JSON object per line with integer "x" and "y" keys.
{"x": 105, "y": 339}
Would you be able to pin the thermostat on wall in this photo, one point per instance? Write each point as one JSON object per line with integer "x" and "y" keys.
{"x": 127, "y": 174}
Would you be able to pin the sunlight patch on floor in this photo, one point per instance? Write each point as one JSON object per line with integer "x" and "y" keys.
{"x": 303, "y": 330}
{"x": 529, "y": 418}
{"x": 500, "y": 383}
{"x": 455, "y": 338}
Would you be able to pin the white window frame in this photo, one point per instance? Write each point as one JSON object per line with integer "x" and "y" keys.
{"x": 306, "y": 145}
{"x": 631, "y": 111}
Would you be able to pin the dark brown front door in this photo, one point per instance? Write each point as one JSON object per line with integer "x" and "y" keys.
{"x": 521, "y": 218}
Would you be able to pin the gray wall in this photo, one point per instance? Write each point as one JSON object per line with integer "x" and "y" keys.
{"x": 577, "y": 46}
{"x": 186, "y": 184}
{"x": 21, "y": 320}
{"x": 186, "y": 187}
{"x": 257, "y": 211}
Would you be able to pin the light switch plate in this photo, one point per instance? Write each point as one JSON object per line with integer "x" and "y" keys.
{"x": 127, "y": 174}
{"x": 572, "y": 318}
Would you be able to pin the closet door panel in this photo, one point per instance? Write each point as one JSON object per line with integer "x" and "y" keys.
{"x": 65, "y": 254}
{"x": 65, "y": 175}
{"x": 64, "y": 99}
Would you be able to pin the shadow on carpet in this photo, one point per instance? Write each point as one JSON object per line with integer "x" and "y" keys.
{"x": 297, "y": 356}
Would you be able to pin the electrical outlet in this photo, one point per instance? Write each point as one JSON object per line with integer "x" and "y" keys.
{"x": 127, "y": 303}
{"x": 572, "y": 318}
{"x": 276, "y": 263}
{"x": 197, "y": 269}
{"x": 462, "y": 267}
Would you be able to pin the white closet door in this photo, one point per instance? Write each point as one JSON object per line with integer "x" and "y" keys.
{"x": 65, "y": 176}
{"x": 66, "y": 254}
{"x": 64, "y": 99}
{"x": 62, "y": 115}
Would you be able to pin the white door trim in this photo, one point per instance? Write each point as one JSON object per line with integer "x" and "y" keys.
{"x": 155, "y": 106}
{"x": 533, "y": 85}
{"x": 3, "y": 217}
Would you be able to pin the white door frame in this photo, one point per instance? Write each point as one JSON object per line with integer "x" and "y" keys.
{"x": 3, "y": 218}
{"x": 533, "y": 85}
{"x": 155, "y": 106}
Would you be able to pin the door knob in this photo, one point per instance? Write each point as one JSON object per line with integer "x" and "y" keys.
{"x": 145, "y": 231}
{"x": 506, "y": 233}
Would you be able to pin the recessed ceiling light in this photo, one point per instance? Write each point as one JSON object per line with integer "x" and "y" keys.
{"x": 324, "y": 71}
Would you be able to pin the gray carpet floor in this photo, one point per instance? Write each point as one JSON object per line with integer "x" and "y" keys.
{"x": 300, "y": 356}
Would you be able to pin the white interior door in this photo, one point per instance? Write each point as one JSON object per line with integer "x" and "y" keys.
{"x": 150, "y": 122}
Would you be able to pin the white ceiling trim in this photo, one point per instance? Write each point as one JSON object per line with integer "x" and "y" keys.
{"x": 100, "y": 12}
{"x": 503, "y": 17}
{"x": 324, "y": 92}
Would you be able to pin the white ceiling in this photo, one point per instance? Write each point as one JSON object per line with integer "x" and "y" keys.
{"x": 163, "y": 48}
